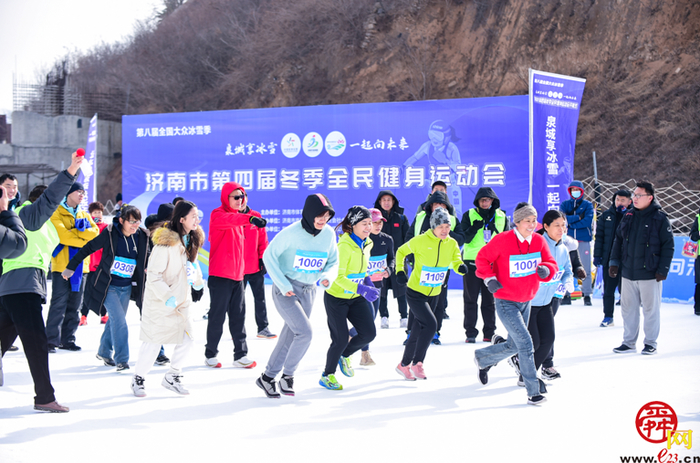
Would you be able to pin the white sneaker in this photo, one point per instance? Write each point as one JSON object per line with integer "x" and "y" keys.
{"x": 172, "y": 381}
{"x": 244, "y": 362}
{"x": 212, "y": 362}
{"x": 137, "y": 386}
{"x": 404, "y": 323}
{"x": 385, "y": 323}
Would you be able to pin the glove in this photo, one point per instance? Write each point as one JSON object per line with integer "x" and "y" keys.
{"x": 197, "y": 294}
{"x": 478, "y": 224}
{"x": 172, "y": 302}
{"x": 258, "y": 221}
{"x": 367, "y": 281}
{"x": 581, "y": 273}
{"x": 597, "y": 261}
{"x": 462, "y": 269}
{"x": 401, "y": 278}
{"x": 612, "y": 271}
{"x": 263, "y": 270}
{"x": 368, "y": 292}
{"x": 660, "y": 277}
{"x": 82, "y": 224}
{"x": 494, "y": 285}
{"x": 542, "y": 271}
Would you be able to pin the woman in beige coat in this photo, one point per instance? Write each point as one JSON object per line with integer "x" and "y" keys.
{"x": 172, "y": 270}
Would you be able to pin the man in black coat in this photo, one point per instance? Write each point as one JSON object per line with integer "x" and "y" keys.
{"x": 695, "y": 236}
{"x": 396, "y": 226}
{"x": 604, "y": 237}
{"x": 642, "y": 253}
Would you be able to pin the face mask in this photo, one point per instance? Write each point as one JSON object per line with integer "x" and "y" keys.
{"x": 576, "y": 194}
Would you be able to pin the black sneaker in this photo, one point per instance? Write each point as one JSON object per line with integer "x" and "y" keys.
{"x": 587, "y": 300}
{"x": 624, "y": 349}
{"x": 13, "y": 349}
{"x": 107, "y": 361}
{"x": 436, "y": 339}
{"x": 162, "y": 360}
{"x": 70, "y": 346}
{"x": 52, "y": 349}
{"x": 536, "y": 400}
{"x": 515, "y": 363}
{"x": 122, "y": 367}
{"x": 648, "y": 350}
{"x": 497, "y": 339}
{"x": 566, "y": 300}
{"x": 445, "y": 316}
{"x": 268, "y": 386}
{"x": 550, "y": 373}
{"x": 483, "y": 373}
{"x": 287, "y": 385}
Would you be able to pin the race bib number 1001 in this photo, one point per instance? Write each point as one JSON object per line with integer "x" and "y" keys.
{"x": 309, "y": 261}
{"x": 524, "y": 264}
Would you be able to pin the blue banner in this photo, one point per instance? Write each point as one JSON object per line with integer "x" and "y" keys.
{"x": 88, "y": 170}
{"x": 555, "y": 101}
{"x": 680, "y": 284}
{"x": 348, "y": 152}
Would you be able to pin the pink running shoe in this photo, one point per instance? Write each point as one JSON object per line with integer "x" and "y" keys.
{"x": 405, "y": 371}
{"x": 418, "y": 372}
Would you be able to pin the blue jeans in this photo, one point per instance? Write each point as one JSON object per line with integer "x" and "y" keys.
{"x": 116, "y": 333}
{"x": 514, "y": 316}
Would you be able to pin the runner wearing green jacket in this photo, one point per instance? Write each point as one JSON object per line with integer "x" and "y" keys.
{"x": 434, "y": 252}
{"x": 349, "y": 296}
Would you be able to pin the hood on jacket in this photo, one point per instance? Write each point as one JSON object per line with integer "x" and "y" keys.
{"x": 165, "y": 212}
{"x": 576, "y": 184}
{"x": 438, "y": 197}
{"x": 395, "y": 208}
{"x": 164, "y": 236}
{"x": 226, "y": 190}
{"x": 487, "y": 192}
{"x": 315, "y": 205}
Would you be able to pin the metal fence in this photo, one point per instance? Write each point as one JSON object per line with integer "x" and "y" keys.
{"x": 680, "y": 203}
{"x": 59, "y": 100}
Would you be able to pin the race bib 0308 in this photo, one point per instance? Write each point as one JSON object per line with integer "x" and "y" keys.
{"x": 522, "y": 265}
{"x": 123, "y": 267}
{"x": 309, "y": 261}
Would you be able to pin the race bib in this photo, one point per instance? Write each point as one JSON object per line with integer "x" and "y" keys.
{"x": 355, "y": 278}
{"x": 432, "y": 276}
{"x": 522, "y": 265}
{"x": 309, "y": 261}
{"x": 123, "y": 267}
{"x": 555, "y": 279}
{"x": 191, "y": 272}
{"x": 561, "y": 291}
{"x": 376, "y": 264}
{"x": 487, "y": 235}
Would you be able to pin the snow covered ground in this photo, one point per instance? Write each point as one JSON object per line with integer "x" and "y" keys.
{"x": 589, "y": 416}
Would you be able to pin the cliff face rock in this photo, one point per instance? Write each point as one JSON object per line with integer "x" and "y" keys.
{"x": 641, "y": 59}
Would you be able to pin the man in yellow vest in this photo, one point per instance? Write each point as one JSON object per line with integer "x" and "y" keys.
{"x": 479, "y": 224}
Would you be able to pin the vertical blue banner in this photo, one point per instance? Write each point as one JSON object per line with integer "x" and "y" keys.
{"x": 88, "y": 171}
{"x": 555, "y": 101}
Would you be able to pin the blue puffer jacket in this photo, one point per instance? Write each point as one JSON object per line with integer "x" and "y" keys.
{"x": 579, "y": 215}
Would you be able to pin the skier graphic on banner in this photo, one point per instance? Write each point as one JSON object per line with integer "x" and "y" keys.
{"x": 442, "y": 152}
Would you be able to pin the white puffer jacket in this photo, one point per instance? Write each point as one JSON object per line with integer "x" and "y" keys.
{"x": 166, "y": 277}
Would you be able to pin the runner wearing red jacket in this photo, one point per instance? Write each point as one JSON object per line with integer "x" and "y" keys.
{"x": 226, "y": 274}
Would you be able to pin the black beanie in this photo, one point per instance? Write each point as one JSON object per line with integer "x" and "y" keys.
{"x": 165, "y": 212}
{"x": 75, "y": 187}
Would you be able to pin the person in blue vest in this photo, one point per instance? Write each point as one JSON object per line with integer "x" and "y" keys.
{"x": 420, "y": 225}
{"x": 695, "y": 236}
{"x": 479, "y": 224}
{"x": 579, "y": 218}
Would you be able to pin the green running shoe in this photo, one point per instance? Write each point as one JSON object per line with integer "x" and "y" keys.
{"x": 329, "y": 382}
{"x": 345, "y": 366}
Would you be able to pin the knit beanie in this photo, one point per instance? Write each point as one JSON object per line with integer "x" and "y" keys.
{"x": 75, "y": 187}
{"x": 524, "y": 212}
{"x": 439, "y": 217}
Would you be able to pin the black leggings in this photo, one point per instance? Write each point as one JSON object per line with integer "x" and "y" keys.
{"x": 423, "y": 326}
{"x": 541, "y": 328}
{"x": 360, "y": 314}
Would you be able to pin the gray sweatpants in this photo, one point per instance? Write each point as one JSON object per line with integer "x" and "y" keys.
{"x": 295, "y": 337}
{"x": 584, "y": 250}
{"x": 646, "y": 293}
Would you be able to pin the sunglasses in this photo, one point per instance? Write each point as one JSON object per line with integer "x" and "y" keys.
{"x": 237, "y": 197}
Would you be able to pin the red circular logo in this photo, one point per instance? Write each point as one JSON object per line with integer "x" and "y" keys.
{"x": 654, "y": 420}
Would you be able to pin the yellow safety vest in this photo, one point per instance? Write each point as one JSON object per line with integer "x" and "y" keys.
{"x": 472, "y": 248}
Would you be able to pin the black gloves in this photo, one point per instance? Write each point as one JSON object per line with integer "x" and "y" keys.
{"x": 477, "y": 224}
{"x": 612, "y": 271}
{"x": 401, "y": 278}
{"x": 258, "y": 221}
{"x": 197, "y": 294}
{"x": 542, "y": 271}
{"x": 462, "y": 269}
{"x": 660, "y": 277}
{"x": 581, "y": 273}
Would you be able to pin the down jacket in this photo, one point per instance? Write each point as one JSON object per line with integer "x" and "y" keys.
{"x": 167, "y": 277}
